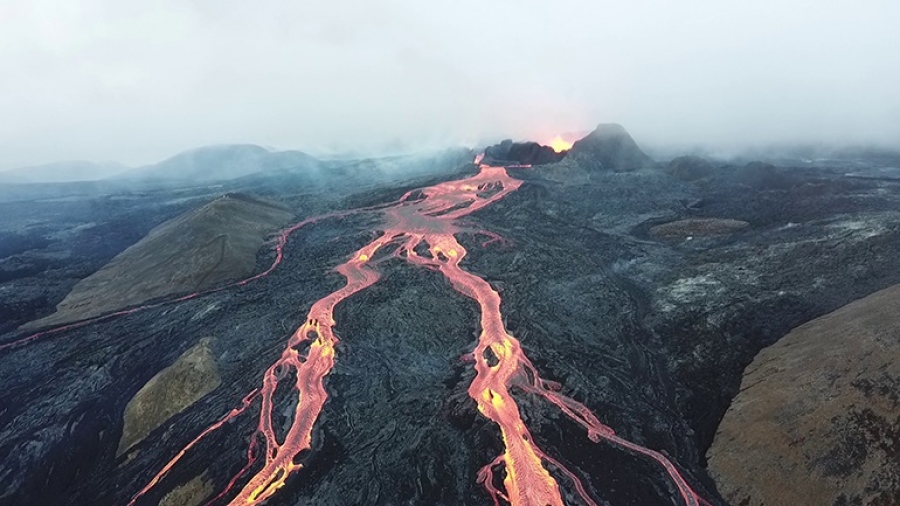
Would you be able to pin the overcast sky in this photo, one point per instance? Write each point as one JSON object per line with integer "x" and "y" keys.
{"x": 139, "y": 81}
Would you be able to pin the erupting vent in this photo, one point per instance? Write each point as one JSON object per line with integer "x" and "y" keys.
{"x": 559, "y": 145}
{"x": 522, "y": 153}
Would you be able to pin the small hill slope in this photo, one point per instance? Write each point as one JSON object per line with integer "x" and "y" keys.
{"x": 195, "y": 251}
{"x": 817, "y": 419}
{"x": 610, "y": 147}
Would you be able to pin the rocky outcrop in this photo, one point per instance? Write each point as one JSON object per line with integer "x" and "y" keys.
{"x": 817, "y": 419}
{"x": 175, "y": 388}
{"x": 697, "y": 227}
{"x": 195, "y": 251}
{"x": 762, "y": 176}
{"x": 527, "y": 153}
{"x": 610, "y": 148}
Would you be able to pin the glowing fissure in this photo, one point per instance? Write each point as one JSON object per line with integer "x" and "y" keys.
{"x": 558, "y": 144}
{"x": 425, "y": 218}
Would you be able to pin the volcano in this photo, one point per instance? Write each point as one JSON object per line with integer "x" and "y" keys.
{"x": 532, "y": 326}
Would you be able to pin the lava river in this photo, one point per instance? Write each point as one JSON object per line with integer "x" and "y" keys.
{"x": 421, "y": 228}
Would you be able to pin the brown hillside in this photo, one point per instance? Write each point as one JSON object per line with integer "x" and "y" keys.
{"x": 197, "y": 250}
{"x": 817, "y": 419}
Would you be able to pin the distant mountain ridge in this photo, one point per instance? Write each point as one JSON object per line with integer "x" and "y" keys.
{"x": 203, "y": 164}
{"x": 230, "y": 161}
{"x": 62, "y": 172}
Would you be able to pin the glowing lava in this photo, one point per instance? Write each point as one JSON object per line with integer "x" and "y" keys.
{"x": 558, "y": 144}
{"x": 421, "y": 229}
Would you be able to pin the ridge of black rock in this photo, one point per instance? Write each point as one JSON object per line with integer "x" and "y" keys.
{"x": 610, "y": 148}
{"x": 526, "y": 153}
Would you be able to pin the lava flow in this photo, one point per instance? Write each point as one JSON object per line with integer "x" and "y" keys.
{"x": 421, "y": 229}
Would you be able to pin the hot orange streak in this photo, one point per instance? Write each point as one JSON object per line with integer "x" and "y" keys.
{"x": 245, "y": 403}
{"x": 527, "y": 482}
{"x": 280, "y": 243}
{"x": 500, "y": 363}
{"x": 310, "y": 372}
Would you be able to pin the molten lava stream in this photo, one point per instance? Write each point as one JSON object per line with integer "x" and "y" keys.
{"x": 500, "y": 363}
{"x": 527, "y": 482}
{"x": 280, "y": 243}
{"x": 280, "y": 457}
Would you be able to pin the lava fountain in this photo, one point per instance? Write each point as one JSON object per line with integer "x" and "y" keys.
{"x": 421, "y": 229}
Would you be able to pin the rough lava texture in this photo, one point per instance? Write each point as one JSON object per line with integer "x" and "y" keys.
{"x": 817, "y": 419}
{"x": 690, "y": 168}
{"x": 697, "y": 227}
{"x": 193, "y": 493}
{"x": 652, "y": 334}
{"x": 763, "y": 176}
{"x": 194, "y": 251}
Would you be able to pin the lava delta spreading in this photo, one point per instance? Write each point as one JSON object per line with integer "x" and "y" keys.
{"x": 426, "y": 220}
{"x": 487, "y": 337}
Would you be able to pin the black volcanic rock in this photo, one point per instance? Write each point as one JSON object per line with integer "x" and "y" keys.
{"x": 525, "y": 153}
{"x": 609, "y": 147}
{"x": 690, "y": 168}
{"x": 652, "y": 335}
{"x": 763, "y": 176}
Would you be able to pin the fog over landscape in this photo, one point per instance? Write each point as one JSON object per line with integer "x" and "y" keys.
{"x": 135, "y": 83}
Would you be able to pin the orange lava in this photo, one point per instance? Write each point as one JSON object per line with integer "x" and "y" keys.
{"x": 558, "y": 144}
{"x": 426, "y": 220}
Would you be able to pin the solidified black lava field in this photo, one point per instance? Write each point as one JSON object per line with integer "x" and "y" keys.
{"x": 650, "y": 330}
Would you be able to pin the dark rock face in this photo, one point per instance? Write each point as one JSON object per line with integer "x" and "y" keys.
{"x": 610, "y": 147}
{"x": 524, "y": 153}
{"x": 690, "y": 168}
